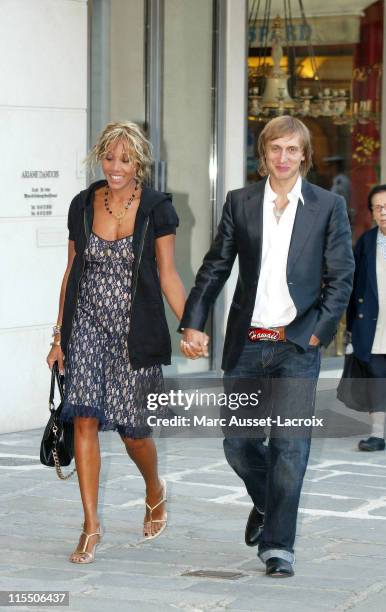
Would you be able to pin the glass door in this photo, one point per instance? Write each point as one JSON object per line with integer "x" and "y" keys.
{"x": 151, "y": 61}
{"x": 180, "y": 118}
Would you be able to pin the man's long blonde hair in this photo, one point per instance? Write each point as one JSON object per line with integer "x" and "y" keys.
{"x": 284, "y": 126}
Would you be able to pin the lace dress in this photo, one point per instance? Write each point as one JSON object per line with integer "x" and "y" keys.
{"x": 99, "y": 381}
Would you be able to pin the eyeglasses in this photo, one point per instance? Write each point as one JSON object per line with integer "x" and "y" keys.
{"x": 379, "y": 208}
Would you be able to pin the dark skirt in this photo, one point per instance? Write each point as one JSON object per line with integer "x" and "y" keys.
{"x": 363, "y": 384}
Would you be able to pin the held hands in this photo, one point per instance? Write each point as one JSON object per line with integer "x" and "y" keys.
{"x": 194, "y": 343}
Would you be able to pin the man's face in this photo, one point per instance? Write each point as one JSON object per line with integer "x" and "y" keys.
{"x": 284, "y": 156}
{"x": 378, "y": 204}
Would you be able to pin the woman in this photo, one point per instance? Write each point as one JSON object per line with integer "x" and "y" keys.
{"x": 111, "y": 335}
{"x": 366, "y": 317}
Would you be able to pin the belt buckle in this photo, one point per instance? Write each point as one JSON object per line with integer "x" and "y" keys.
{"x": 255, "y": 334}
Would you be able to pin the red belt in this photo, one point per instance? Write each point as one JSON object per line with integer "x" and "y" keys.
{"x": 273, "y": 334}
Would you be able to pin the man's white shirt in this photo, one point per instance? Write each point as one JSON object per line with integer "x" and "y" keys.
{"x": 274, "y": 306}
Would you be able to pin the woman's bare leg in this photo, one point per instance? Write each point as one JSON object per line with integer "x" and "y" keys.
{"x": 144, "y": 454}
{"x": 88, "y": 461}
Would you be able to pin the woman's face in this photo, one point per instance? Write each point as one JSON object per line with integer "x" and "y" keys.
{"x": 119, "y": 167}
{"x": 378, "y": 204}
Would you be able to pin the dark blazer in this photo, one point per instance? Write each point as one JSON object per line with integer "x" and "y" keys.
{"x": 320, "y": 253}
{"x": 362, "y": 311}
{"x": 148, "y": 339}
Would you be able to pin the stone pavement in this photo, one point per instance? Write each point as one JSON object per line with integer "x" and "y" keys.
{"x": 341, "y": 544}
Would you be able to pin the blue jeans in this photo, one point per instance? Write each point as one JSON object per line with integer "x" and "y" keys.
{"x": 273, "y": 474}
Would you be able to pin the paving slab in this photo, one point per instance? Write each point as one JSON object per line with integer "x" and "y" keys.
{"x": 340, "y": 551}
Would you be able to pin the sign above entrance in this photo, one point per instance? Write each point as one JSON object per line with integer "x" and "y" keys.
{"x": 342, "y": 30}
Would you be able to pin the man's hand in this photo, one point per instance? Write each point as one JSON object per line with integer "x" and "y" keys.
{"x": 314, "y": 341}
{"x": 194, "y": 343}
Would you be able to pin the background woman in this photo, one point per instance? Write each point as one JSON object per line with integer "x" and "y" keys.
{"x": 111, "y": 335}
{"x": 366, "y": 317}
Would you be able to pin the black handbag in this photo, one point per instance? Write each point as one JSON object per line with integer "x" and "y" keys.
{"x": 353, "y": 386}
{"x": 57, "y": 446}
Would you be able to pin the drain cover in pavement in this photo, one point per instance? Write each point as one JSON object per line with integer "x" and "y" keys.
{"x": 214, "y": 574}
{"x": 18, "y": 461}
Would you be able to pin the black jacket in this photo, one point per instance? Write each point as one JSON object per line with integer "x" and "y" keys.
{"x": 148, "y": 338}
{"x": 362, "y": 312}
{"x": 320, "y": 254}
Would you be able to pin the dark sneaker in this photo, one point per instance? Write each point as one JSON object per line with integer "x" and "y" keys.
{"x": 372, "y": 444}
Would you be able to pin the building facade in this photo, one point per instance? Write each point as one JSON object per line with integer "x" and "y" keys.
{"x": 181, "y": 69}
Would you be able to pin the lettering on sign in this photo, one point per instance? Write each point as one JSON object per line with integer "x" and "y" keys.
{"x": 41, "y": 210}
{"x": 295, "y": 33}
{"x": 40, "y": 174}
{"x": 343, "y": 29}
{"x": 43, "y": 194}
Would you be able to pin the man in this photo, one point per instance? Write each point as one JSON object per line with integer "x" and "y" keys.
{"x": 293, "y": 242}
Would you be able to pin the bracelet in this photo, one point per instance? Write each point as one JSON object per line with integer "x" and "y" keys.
{"x": 56, "y": 343}
{"x": 56, "y": 329}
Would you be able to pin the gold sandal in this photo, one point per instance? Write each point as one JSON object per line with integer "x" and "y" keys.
{"x": 84, "y": 555}
{"x": 147, "y": 526}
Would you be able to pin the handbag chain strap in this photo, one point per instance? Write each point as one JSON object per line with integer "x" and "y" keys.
{"x": 58, "y": 467}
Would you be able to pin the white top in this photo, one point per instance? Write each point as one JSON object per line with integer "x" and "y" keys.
{"x": 379, "y": 344}
{"x": 274, "y": 306}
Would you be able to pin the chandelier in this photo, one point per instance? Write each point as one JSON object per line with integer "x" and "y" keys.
{"x": 273, "y": 91}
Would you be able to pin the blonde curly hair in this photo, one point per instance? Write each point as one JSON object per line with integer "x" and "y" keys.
{"x": 134, "y": 140}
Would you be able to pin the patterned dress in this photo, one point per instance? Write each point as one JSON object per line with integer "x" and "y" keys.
{"x": 99, "y": 381}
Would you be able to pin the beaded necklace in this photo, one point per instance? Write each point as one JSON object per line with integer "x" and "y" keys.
{"x": 120, "y": 215}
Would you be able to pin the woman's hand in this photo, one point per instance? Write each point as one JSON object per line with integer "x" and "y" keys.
{"x": 56, "y": 354}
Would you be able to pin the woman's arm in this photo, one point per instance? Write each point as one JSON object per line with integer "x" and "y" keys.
{"x": 170, "y": 280}
{"x": 56, "y": 353}
{"x": 174, "y": 291}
